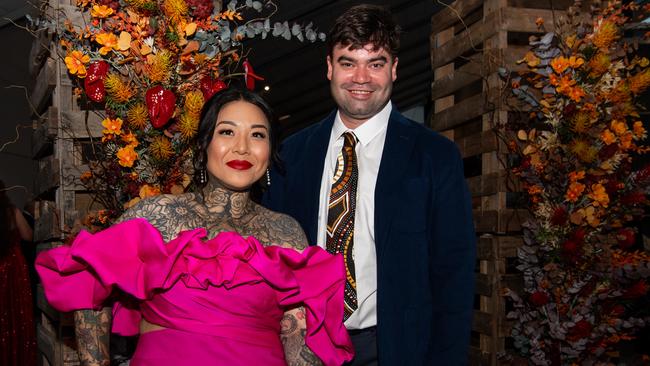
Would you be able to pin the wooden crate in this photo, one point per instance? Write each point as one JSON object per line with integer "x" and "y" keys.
{"x": 470, "y": 41}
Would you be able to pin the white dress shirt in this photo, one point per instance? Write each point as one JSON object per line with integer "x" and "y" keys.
{"x": 371, "y": 136}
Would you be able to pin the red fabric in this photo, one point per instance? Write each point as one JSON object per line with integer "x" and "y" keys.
{"x": 17, "y": 328}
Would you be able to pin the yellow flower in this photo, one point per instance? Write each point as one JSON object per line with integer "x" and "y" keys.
{"x": 599, "y": 195}
{"x": 137, "y": 116}
{"x": 599, "y": 64}
{"x": 108, "y": 42}
{"x": 148, "y": 191}
{"x": 580, "y": 122}
{"x": 76, "y": 62}
{"x": 175, "y": 10}
{"x": 159, "y": 67}
{"x": 638, "y": 130}
{"x": 117, "y": 89}
{"x": 101, "y": 11}
{"x": 188, "y": 125}
{"x": 127, "y": 156}
{"x": 194, "y": 102}
{"x": 574, "y": 192}
{"x": 619, "y": 127}
{"x": 640, "y": 82}
{"x": 112, "y": 126}
{"x": 161, "y": 148}
{"x": 607, "y": 137}
{"x": 130, "y": 139}
{"x": 605, "y": 32}
{"x": 583, "y": 150}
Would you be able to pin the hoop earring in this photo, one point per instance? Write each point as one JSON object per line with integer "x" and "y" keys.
{"x": 268, "y": 177}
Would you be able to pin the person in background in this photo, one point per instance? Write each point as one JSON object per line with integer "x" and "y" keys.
{"x": 17, "y": 327}
{"x": 211, "y": 276}
{"x": 390, "y": 195}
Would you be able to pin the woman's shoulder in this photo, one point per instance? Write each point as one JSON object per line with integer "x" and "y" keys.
{"x": 282, "y": 229}
{"x": 168, "y": 213}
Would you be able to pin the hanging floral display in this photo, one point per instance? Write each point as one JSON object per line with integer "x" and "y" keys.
{"x": 583, "y": 163}
{"x": 150, "y": 65}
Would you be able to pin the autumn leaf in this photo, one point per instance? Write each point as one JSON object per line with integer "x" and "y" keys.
{"x": 124, "y": 43}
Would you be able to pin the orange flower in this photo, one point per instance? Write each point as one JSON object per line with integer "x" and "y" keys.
{"x": 576, "y": 176}
{"x": 574, "y": 192}
{"x": 638, "y": 130}
{"x": 619, "y": 127}
{"x": 559, "y": 64}
{"x": 599, "y": 195}
{"x": 535, "y": 189}
{"x": 108, "y": 41}
{"x": 130, "y": 139}
{"x": 149, "y": 191}
{"x": 76, "y": 62}
{"x": 565, "y": 84}
{"x": 112, "y": 126}
{"x": 626, "y": 141}
{"x": 576, "y": 93}
{"x": 86, "y": 175}
{"x": 101, "y": 11}
{"x": 127, "y": 156}
{"x": 599, "y": 64}
{"x": 607, "y": 137}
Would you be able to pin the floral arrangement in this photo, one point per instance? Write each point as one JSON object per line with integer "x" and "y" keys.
{"x": 151, "y": 65}
{"x": 579, "y": 153}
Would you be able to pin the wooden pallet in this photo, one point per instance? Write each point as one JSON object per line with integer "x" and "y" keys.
{"x": 471, "y": 40}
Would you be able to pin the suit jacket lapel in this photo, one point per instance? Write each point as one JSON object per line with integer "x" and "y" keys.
{"x": 311, "y": 173}
{"x": 394, "y": 161}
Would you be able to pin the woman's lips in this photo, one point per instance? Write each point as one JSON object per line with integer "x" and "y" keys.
{"x": 239, "y": 164}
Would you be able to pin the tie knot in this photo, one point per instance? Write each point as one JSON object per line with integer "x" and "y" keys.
{"x": 349, "y": 139}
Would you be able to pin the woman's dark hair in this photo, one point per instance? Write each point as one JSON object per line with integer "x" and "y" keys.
{"x": 7, "y": 221}
{"x": 365, "y": 24}
{"x": 209, "y": 120}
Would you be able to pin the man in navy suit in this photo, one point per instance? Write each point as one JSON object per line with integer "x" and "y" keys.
{"x": 413, "y": 240}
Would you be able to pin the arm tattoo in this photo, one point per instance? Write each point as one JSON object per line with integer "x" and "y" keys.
{"x": 92, "y": 329}
{"x": 292, "y": 335}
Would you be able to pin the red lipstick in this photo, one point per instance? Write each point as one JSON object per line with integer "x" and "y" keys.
{"x": 239, "y": 164}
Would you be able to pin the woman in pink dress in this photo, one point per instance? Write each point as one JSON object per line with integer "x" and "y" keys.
{"x": 207, "y": 278}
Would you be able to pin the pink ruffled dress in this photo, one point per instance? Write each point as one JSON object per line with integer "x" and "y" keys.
{"x": 221, "y": 300}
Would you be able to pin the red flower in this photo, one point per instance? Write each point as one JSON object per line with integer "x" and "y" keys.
{"x": 559, "y": 216}
{"x": 539, "y": 298}
{"x": 626, "y": 238}
{"x": 94, "y": 81}
{"x": 607, "y": 151}
{"x": 617, "y": 310}
{"x": 579, "y": 235}
{"x": 570, "y": 247}
{"x": 635, "y": 291}
{"x": 581, "y": 329}
{"x": 161, "y": 104}
{"x": 210, "y": 86}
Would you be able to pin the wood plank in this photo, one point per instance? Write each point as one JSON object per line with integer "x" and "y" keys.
{"x": 478, "y": 143}
{"x": 484, "y": 246}
{"x": 45, "y": 84}
{"x": 508, "y": 245}
{"x": 44, "y": 133}
{"x": 469, "y": 108}
{"x": 523, "y": 19}
{"x": 48, "y": 175}
{"x": 71, "y": 176}
{"x": 482, "y": 322}
{"x": 82, "y": 124}
{"x": 40, "y": 50}
{"x": 466, "y": 40}
{"x": 44, "y": 306}
{"x": 48, "y": 345}
{"x": 451, "y": 82}
{"x": 483, "y": 284}
{"x": 499, "y": 221}
{"x": 537, "y": 4}
{"x": 450, "y": 15}
{"x": 46, "y": 226}
{"x": 477, "y": 357}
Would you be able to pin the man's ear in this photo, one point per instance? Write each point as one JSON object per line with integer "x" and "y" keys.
{"x": 329, "y": 68}
{"x": 393, "y": 70}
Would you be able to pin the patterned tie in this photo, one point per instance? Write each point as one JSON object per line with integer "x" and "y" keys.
{"x": 340, "y": 216}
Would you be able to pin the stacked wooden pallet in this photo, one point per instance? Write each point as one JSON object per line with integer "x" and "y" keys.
{"x": 471, "y": 40}
{"x": 62, "y": 129}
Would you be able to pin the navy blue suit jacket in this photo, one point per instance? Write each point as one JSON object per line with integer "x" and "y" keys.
{"x": 424, "y": 236}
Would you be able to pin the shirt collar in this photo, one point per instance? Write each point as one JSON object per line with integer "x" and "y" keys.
{"x": 368, "y": 130}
